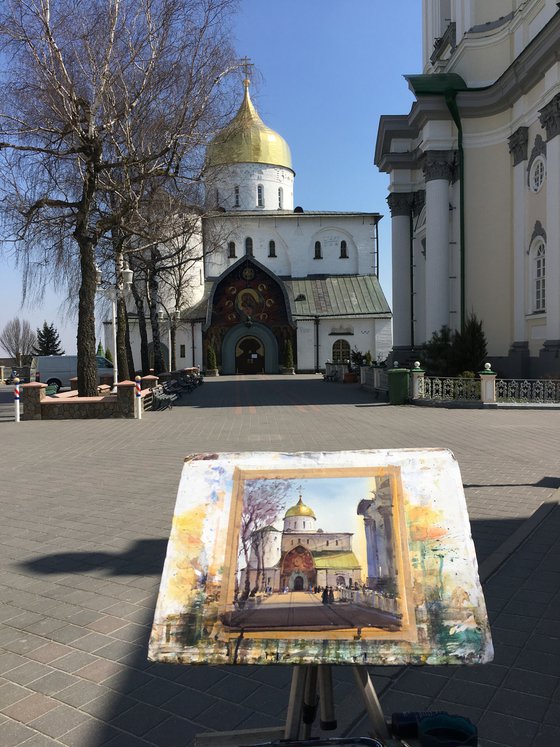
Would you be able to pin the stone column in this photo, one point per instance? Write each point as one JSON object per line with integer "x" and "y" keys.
{"x": 417, "y": 381}
{"x": 126, "y": 391}
{"x": 400, "y": 205}
{"x": 31, "y": 397}
{"x": 149, "y": 382}
{"x": 550, "y": 120}
{"x": 367, "y": 510}
{"x": 438, "y": 172}
{"x": 487, "y": 385}
{"x": 518, "y": 143}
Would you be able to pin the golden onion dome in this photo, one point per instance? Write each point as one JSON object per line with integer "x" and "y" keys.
{"x": 246, "y": 139}
{"x": 300, "y": 509}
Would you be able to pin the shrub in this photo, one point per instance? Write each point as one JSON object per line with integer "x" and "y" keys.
{"x": 211, "y": 358}
{"x": 288, "y": 354}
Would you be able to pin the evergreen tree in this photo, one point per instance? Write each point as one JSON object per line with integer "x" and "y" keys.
{"x": 108, "y": 355}
{"x": 211, "y": 358}
{"x": 48, "y": 341}
{"x": 100, "y": 349}
{"x": 469, "y": 346}
{"x": 288, "y": 355}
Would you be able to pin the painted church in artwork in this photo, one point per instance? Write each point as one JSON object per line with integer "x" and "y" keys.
{"x": 275, "y": 276}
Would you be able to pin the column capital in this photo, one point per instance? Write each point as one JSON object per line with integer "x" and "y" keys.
{"x": 439, "y": 164}
{"x": 549, "y": 117}
{"x": 518, "y": 144}
{"x": 400, "y": 203}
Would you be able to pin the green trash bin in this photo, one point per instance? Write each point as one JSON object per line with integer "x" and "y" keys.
{"x": 398, "y": 385}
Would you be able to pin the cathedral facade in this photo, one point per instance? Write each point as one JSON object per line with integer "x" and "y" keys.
{"x": 474, "y": 172}
{"x": 274, "y": 276}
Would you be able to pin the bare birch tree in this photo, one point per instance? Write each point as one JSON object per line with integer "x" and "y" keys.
{"x": 97, "y": 97}
{"x": 18, "y": 340}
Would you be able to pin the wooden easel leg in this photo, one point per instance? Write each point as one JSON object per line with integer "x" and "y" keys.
{"x": 310, "y": 700}
{"x": 371, "y": 702}
{"x": 326, "y": 698}
{"x": 295, "y": 703}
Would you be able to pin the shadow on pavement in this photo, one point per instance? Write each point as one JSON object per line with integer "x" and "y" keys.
{"x": 183, "y": 700}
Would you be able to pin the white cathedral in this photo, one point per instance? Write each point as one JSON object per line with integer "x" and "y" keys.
{"x": 474, "y": 171}
{"x": 276, "y": 273}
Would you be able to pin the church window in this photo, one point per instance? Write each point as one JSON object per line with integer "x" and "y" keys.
{"x": 231, "y": 249}
{"x": 539, "y": 276}
{"x": 327, "y": 543}
{"x": 537, "y": 174}
{"x": 304, "y": 524}
{"x": 236, "y": 196}
{"x": 181, "y": 351}
{"x": 260, "y": 195}
{"x": 343, "y": 250}
{"x": 307, "y": 541}
{"x": 341, "y": 351}
{"x": 271, "y": 249}
{"x": 318, "y": 253}
{"x": 280, "y": 198}
{"x": 249, "y": 246}
{"x": 217, "y": 198}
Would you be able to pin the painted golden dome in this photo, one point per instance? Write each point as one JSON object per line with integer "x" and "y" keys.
{"x": 300, "y": 509}
{"x": 246, "y": 139}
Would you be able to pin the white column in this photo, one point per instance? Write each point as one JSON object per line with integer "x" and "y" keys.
{"x": 550, "y": 120}
{"x": 438, "y": 174}
{"x": 400, "y": 205}
{"x": 518, "y": 148}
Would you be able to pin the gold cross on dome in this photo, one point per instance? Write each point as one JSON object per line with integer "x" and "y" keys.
{"x": 246, "y": 64}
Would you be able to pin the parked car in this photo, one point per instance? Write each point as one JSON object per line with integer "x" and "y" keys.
{"x": 57, "y": 370}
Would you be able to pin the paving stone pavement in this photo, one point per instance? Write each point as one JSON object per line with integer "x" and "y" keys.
{"x": 86, "y": 509}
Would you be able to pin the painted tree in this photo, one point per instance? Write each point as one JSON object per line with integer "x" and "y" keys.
{"x": 263, "y": 502}
{"x": 99, "y": 98}
{"x": 48, "y": 341}
{"x": 18, "y": 340}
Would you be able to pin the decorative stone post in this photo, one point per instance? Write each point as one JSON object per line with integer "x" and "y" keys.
{"x": 438, "y": 171}
{"x": 126, "y": 392}
{"x": 487, "y": 385}
{"x": 150, "y": 381}
{"x": 32, "y": 395}
{"x": 417, "y": 381}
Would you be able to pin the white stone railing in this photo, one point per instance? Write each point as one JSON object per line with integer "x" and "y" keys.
{"x": 528, "y": 390}
{"x": 374, "y": 379}
{"x": 448, "y": 388}
{"x": 369, "y": 598}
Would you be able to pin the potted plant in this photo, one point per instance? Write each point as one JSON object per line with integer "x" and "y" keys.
{"x": 288, "y": 367}
{"x": 211, "y": 364}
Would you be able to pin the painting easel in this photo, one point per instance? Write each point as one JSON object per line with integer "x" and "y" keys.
{"x": 311, "y": 691}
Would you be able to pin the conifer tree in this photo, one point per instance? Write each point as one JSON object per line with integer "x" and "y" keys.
{"x": 48, "y": 341}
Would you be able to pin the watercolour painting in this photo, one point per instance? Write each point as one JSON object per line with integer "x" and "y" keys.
{"x": 360, "y": 557}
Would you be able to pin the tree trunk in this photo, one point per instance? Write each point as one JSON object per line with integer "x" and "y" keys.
{"x": 173, "y": 366}
{"x": 87, "y": 369}
{"x": 142, "y": 330}
{"x": 129, "y": 355}
{"x": 122, "y": 358}
{"x": 159, "y": 363}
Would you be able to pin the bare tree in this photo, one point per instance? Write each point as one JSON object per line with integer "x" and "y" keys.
{"x": 18, "y": 340}
{"x": 97, "y": 97}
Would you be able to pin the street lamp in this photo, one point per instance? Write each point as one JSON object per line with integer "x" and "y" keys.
{"x": 112, "y": 293}
{"x": 173, "y": 314}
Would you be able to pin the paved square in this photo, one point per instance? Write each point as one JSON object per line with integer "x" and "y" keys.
{"x": 86, "y": 511}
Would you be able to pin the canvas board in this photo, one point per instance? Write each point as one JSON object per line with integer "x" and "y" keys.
{"x": 361, "y": 557}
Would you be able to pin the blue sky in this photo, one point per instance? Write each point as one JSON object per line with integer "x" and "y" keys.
{"x": 327, "y": 70}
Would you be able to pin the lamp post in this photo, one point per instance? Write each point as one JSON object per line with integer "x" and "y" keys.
{"x": 162, "y": 313}
{"x": 112, "y": 293}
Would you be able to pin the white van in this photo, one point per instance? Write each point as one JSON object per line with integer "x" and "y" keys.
{"x": 57, "y": 370}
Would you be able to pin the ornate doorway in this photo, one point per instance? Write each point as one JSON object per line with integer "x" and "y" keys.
{"x": 298, "y": 583}
{"x": 249, "y": 356}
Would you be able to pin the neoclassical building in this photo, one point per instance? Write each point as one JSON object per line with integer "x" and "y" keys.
{"x": 274, "y": 272}
{"x": 474, "y": 182}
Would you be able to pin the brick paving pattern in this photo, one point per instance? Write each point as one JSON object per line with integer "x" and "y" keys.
{"x": 86, "y": 511}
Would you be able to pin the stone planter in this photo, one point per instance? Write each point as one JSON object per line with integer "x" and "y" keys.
{"x": 288, "y": 371}
{"x": 212, "y": 372}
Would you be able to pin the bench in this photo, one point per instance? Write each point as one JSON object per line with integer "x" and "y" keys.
{"x": 162, "y": 400}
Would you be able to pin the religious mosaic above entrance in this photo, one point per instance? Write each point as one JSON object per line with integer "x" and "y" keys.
{"x": 343, "y": 557}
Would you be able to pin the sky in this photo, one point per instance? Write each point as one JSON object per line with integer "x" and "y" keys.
{"x": 326, "y": 71}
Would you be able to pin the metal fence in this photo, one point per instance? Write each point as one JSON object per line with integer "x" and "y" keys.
{"x": 448, "y": 388}
{"x": 528, "y": 390}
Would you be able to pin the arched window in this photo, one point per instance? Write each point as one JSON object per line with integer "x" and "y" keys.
{"x": 340, "y": 351}
{"x": 260, "y": 195}
{"x": 343, "y": 250}
{"x": 249, "y": 246}
{"x": 236, "y": 196}
{"x": 318, "y": 254}
{"x": 271, "y": 249}
{"x": 539, "y": 276}
{"x": 231, "y": 250}
{"x": 217, "y": 198}
{"x": 280, "y": 198}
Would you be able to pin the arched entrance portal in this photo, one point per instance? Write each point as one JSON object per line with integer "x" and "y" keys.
{"x": 298, "y": 583}
{"x": 241, "y": 343}
{"x": 249, "y": 356}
